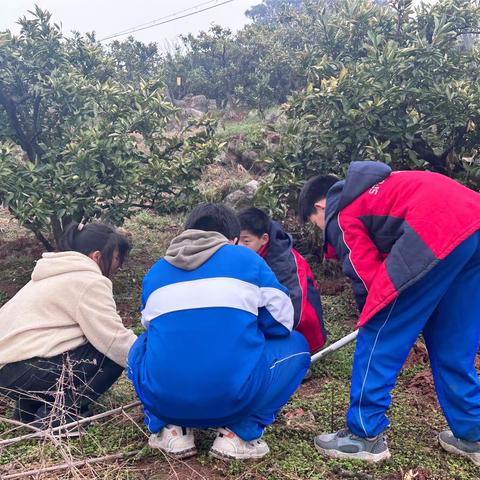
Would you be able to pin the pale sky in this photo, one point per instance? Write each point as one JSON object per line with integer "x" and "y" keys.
{"x": 106, "y": 17}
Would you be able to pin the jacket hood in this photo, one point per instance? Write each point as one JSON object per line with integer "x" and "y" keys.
{"x": 280, "y": 241}
{"x": 361, "y": 176}
{"x": 193, "y": 248}
{"x": 58, "y": 263}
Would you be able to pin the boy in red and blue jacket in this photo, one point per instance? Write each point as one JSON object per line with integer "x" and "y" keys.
{"x": 410, "y": 243}
{"x": 269, "y": 239}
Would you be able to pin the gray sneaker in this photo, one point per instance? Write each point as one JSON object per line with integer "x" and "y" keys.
{"x": 452, "y": 444}
{"x": 344, "y": 444}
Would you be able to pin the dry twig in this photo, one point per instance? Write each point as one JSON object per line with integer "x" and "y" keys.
{"x": 75, "y": 464}
{"x": 50, "y": 431}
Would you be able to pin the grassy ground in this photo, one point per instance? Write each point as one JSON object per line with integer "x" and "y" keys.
{"x": 318, "y": 406}
{"x": 249, "y": 126}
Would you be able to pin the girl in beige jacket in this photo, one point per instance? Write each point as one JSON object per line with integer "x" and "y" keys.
{"x": 62, "y": 342}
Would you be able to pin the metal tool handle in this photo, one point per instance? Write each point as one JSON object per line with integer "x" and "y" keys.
{"x": 335, "y": 346}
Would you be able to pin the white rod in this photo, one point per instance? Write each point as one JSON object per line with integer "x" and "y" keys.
{"x": 335, "y": 346}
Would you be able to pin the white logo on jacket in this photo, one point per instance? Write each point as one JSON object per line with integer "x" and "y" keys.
{"x": 374, "y": 190}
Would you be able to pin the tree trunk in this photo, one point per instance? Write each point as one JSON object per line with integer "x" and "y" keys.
{"x": 57, "y": 229}
{"x": 39, "y": 236}
{"x": 59, "y": 225}
{"x": 49, "y": 247}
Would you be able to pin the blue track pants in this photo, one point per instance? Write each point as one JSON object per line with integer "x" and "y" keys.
{"x": 288, "y": 359}
{"x": 445, "y": 306}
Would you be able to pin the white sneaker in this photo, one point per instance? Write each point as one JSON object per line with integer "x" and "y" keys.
{"x": 176, "y": 441}
{"x": 229, "y": 446}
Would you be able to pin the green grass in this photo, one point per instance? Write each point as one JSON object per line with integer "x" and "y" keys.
{"x": 320, "y": 404}
{"x": 250, "y": 126}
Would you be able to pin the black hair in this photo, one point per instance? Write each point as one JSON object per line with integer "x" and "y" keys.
{"x": 213, "y": 217}
{"x": 314, "y": 190}
{"x": 94, "y": 237}
{"x": 254, "y": 220}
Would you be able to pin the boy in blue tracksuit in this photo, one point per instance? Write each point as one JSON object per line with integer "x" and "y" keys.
{"x": 410, "y": 243}
{"x": 218, "y": 350}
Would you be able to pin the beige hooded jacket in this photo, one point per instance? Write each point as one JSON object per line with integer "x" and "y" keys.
{"x": 67, "y": 303}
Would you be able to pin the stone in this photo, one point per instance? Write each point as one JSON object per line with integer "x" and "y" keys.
{"x": 251, "y": 188}
{"x": 212, "y": 105}
{"x": 248, "y": 158}
{"x": 199, "y": 102}
{"x": 187, "y": 113}
{"x": 243, "y": 197}
{"x": 237, "y": 199}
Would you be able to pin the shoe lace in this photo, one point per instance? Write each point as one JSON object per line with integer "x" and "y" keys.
{"x": 344, "y": 432}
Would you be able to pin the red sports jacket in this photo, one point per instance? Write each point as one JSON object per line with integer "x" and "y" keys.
{"x": 294, "y": 273}
{"x": 390, "y": 228}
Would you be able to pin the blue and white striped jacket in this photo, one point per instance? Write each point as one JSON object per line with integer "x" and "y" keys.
{"x": 200, "y": 363}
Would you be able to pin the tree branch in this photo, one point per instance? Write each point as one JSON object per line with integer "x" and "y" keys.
{"x": 48, "y": 432}
{"x": 36, "y": 110}
{"x": 11, "y": 110}
{"x": 459, "y": 134}
{"x": 438, "y": 162}
{"x": 56, "y": 228}
{"x": 38, "y": 235}
{"x": 423, "y": 149}
{"x": 64, "y": 466}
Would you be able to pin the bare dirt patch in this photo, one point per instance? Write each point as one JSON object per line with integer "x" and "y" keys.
{"x": 6, "y": 220}
{"x": 299, "y": 419}
{"x": 312, "y": 387}
{"x": 333, "y": 287}
{"x": 422, "y": 390}
{"x": 9, "y": 289}
{"x": 128, "y": 313}
{"x": 23, "y": 246}
{"x": 418, "y": 355}
{"x": 160, "y": 467}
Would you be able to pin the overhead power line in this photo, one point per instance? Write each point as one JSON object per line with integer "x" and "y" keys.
{"x": 151, "y": 22}
{"x": 156, "y": 23}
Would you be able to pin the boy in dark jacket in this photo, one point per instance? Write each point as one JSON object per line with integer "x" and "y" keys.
{"x": 410, "y": 242}
{"x": 268, "y": 238}
{"x": 218, "y": 350}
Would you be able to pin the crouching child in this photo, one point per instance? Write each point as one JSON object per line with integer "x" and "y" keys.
{"x": 218, "y": 350}
{"x": 268, "y": 238}
{"x": 62, "y": 342}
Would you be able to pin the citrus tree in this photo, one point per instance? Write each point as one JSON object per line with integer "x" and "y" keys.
{"x": 388, "y": 82}
{"x": 77, "y": 144}
{"x": 135, "y": 60}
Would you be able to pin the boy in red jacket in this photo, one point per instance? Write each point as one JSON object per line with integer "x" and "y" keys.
{"x": 410, "y": 242}
{"x": 268, "y": 238}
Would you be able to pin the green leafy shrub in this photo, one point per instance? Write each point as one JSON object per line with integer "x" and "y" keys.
{"x": 91, "y": 147}
{"x": 388, "y": 83}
